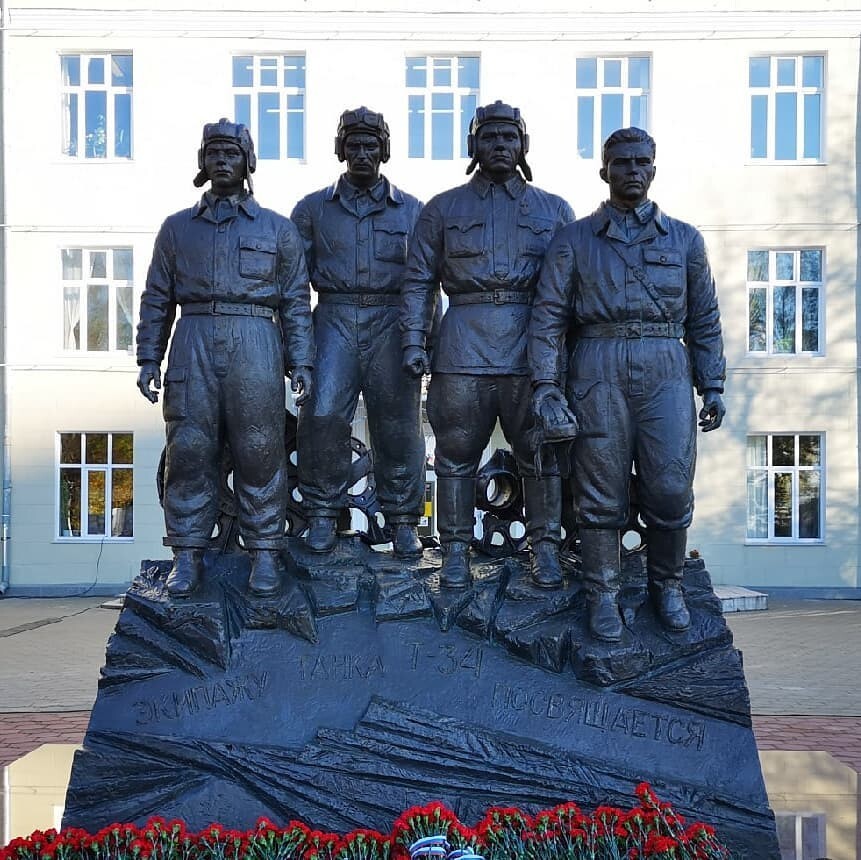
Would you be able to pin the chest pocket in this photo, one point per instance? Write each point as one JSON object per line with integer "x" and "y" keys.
{"x": 257, "y": 255}
{"x": 390, "y": 245}
{"x": 665, "y": 270}
{"x": 535, "y": 234}
{"x": 464, "y": 237}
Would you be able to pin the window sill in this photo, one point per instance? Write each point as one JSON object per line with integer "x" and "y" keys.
{"x": 794, "y": 542}
{"x": 784, "y": 356}
{"x": 765, "y": 162}
{"x": 91, "y": 539}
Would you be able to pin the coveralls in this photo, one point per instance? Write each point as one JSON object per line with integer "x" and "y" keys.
{"x": 237, "y": 272}
{"x": 636, "y": 352}
{"x": 483, "y": 244}
{"x": 355, "y": 244}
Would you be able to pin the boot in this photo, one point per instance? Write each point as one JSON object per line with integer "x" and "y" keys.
{"x": 455, "y": 567}
{"x": 405, "y": 541}
{"x": 665, "y": 565}
{"x": 322, "y": 534}
{"x": 266, "y": 571}
{"x": 543, "y": 500}
{"x": 455, "y": 499}
{"x": 186, "y": 573}
{"x": 601, "y": 567}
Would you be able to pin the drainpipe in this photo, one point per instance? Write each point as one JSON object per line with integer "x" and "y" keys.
{"x": 6, "y": 499}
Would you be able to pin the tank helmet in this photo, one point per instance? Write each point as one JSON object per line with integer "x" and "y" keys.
{"x": 499, "y": 111}
{"x": 234, "y": 132}
{"x": 361, "y": 119}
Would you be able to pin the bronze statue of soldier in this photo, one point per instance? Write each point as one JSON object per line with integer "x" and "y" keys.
{"x": 237, "y": 273}
{"x": 627, "y": 303}
{"x": 355, "y": 235}
{"x": 483, "y": 243}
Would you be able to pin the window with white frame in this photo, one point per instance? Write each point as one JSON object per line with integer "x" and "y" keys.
{"x": 442, "y": 95}
{"x": 97, "y": 105}
{"x": 801, "y": 836}
{"x": 612, "y": 93}
{"x": 784, "y": 487}
{"x": 95, "y": 485}
{"x": 784, "y": 301}
{"x": 269, "y": 98}
{"x": 786, "y": 107}
{"x": 98, "y": 299}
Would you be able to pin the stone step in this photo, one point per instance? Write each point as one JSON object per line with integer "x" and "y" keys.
{"x": 734, "y": 598}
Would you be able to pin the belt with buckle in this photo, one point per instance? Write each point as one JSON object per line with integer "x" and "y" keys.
{"x": 232, "y": 309}
{"x": 363, "y": 300}
{"x": 633, "y": 329}
{"x": 495, "y": 297}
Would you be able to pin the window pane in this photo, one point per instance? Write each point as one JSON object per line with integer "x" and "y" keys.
{"x": 97, "y": 320}
{"x": 811, "y": 71}
{"x": 639, "y": 118}
{"x": 124, "y": 314}
{"x": 638, "y": 72}
{"x": 811, "y": 266}
{"x": 467, "y": 72}
{"x": 123, "y": 264}
{"x": 268, "y": 124}
{"x": 70, "y": 503}
{"x": 243, "y": 72}
{"x": 786, "y": 837}
{"x": 121, "y": 70}
{"x": 296, "y": 126}
{"x": 96, "y": 70}
{"x": 810, "y": 319}
{"x": 242, "y": 109}
{"x": 757, "y": 265}
{"x": 611, "y": 114}
{"x": 71, "y": 318}
{"x": 586, "y": 126}
{"x": 468, "y": 105}
{"x": 785, "y": 266}
{"x": 783, "y": 450}
{"x": 70, "y": 115}
{"x": 786, "y": 126}
{"x": 812, "y": 126}
{"x": 122, "y": 448}
{"x": 783, "y": 505}
{"x": 759, "y": 71}
{"x": 122, "y": 503}
{"x": 612, "y": 73}
{"x": 586, "y": 74}
{"x": 70, "y": 447}
{"x": 759, "y": 126}
{"x": 268, "y": 71}
{"x": 786, "y": 72}
{"x": 72, "y": 265}
{"x": 95, "y": 123}
{"x": 808, "y": 505}
{"x": 442, "y": 126}
{"x": 808, "y": 450}
{"x": 757, "y": 450}
{"x": 756, "y": 336}
{"x": 416, "y": 72}
{"x": 784, "y": 319}
{"x": 416, "y": 126}
{"x": 123, "y": 125}
{"x": 757, "y": 504}
{"x": 294, "y": 72}
{"x": 70, "y": 68}
{"x": 95, "y": 503}
{"x": 98, "y": 264}
{"x": 96, "y": 445}
{"x": 442, "y": 71}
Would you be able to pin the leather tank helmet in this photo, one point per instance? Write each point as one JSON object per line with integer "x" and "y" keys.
{"x": 499, "y": 111}
{"x": 233, "y": 132}
{"x": 362, "y": 120}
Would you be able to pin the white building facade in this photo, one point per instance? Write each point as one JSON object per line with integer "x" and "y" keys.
{"x": 755, "y": 116}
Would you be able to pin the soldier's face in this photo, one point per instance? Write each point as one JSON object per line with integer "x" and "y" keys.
{"x": 498, "y": 149}
{"x": 224, "y": 163}
{"x": 629, "y": 173}
{"x": 363, "y": 154}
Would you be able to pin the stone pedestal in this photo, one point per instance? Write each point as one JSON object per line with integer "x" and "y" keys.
{"x": 363, "y": 688}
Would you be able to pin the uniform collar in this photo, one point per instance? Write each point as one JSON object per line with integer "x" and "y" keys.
{"x": 481, "y": 185}
{"x": 645, "y": 213}
{"x": 205, "y": 208}
{"x": 342, "y": 188}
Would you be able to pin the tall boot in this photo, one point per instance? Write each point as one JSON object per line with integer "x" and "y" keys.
{"x": 186, "y": 573}
{"x": 543, "y": 498}
{"x": 455, "y": 501}
{"x": 601, "y": 566}
{"x": 665, "y": 565}
{"x": 267, "y": 569}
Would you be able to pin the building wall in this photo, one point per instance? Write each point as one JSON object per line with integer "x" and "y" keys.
{"x": 182, "y": 77}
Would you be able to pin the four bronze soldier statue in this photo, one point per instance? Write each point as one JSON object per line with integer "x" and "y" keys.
{"x": 606, "y": 324}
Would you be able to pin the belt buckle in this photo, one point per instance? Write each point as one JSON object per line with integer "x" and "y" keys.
{"x": 497, "y": 297}
{"x": 633, "y": 329}
{"x": 365, "y": 300}
{"x": 210, "y": 308}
